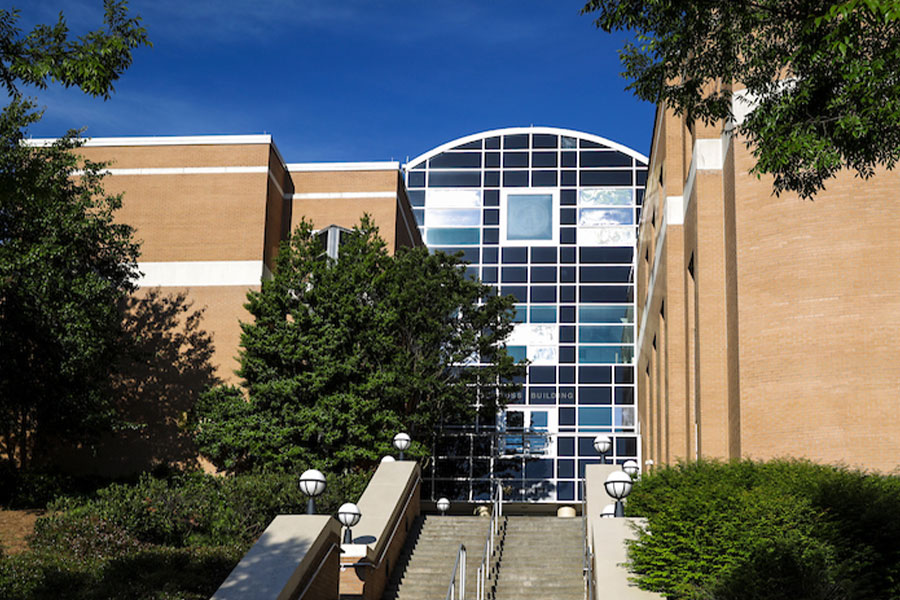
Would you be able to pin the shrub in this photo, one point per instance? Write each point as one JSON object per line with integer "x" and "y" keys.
{"x": 783, "y": 529}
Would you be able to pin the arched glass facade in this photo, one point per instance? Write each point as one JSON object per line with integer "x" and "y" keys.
{"x": 549, "y": 216}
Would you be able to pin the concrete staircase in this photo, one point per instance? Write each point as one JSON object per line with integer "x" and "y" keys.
{"x": 541, "y": 558}
{"x": 426, "y": 562}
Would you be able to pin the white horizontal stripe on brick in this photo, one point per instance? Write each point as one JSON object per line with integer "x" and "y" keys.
{"x": 201, "y": 273}
{"x": 339, "y": 195}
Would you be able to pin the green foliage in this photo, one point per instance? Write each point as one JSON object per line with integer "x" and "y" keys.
{"x": 778, "y": 530}
{"x": 174, "y": 537}
{"x": 46, "y": 54}
{"x": 344, "y": 353}
{"x": 194, "y": 509}
{"x": 65, "y": 264}
{"x": 824, "y": 73}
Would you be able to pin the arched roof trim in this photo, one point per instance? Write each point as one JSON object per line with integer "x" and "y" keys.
{"x": 514, "y": 130}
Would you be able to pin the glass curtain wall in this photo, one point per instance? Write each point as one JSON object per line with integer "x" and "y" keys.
{"x": 550, "y": 217}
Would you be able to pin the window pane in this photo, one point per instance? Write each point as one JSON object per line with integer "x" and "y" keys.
{"x": 605, "y": 197}
{"x": 529, "y": 217}
{"x": 595, "y": 417}
{"x": 605, "y": 354}
{"x": 605, "y": 334}
{"x": 454, "y": 178}
{"x": 598, "y": 217}
{"x": 605, "y": 159}
{"x": 453, "y": 198}
{"x": 438, "y": 217}
{"x": 515, "y": 159}
{"x": 605, "y": 314}
{"x": 543, "y": 314}
{"x": 451, "y": 160}
{"x": 454, "y": 236}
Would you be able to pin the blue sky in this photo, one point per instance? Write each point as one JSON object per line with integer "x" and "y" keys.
{"x": 353, "y": 80}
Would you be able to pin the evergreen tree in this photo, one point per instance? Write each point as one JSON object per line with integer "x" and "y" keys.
{"x": 344, "y": 353}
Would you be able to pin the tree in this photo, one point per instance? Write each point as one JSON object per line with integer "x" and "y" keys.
{"x": 344, "y": 353}
{"x": 64, "y": 263}
{"x": 824, "y": 76}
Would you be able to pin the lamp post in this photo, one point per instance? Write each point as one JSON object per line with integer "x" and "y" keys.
{"x": 312, "y": 483}
{"x": 443, "y": 505}
{"x": 618, "y": 485}
{"x": 401, "y": 442}
{"x": 602, "y": 444}
{"x": 348, "y": 514}
{"x": 630, "y": 467}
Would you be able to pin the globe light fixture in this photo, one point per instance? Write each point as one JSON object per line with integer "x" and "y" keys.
{"x": 631, "y": 467}
{"x": 618, "y": 486}
{"x": 387, "y": 458}
{"x": 312, "y": 484}
{"x": 349, "y": 515}
{"x": 602, "y": 444}
{"x": 443, "y": 505}
{"x": 401, "y": 442}
{"x": 608, "y": 512}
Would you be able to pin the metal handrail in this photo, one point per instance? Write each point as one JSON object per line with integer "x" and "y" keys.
{"x": 587, "y": 567}
{"x": 451, "y": 589}
{"x": 488, "y": 553}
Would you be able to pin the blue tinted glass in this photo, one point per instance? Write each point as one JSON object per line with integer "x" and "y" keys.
{"x": 515, "y": 178}
{"x": 594, "y": 395}
{"x": 454, "y": 236}
{"x": 543, "y": 314}
{"x": 605, "y": 159}
{"x": 514, "y": 274}
{"x": 489, "y": 274}
{"x": 520, "y": 292}
{"x": 542, "y": 254}
{"x": 565, "y": 490}
{"x": 543, "y": 179}
{"x": 543, "y": 293}
{"x": 541, "y": 395}
{"x": 452, "y": 160}
{"x": 591, "y": 178}
{"x": 626, "y": 446}
{"x": 566, "y": 395}
{"x": 565, "y": 446}
{"x": 567, "y": 374}
{"x": 515, "y": 255}
{"x": 543, "y": 274}
{"x": 419, "y": 214}
{"x": 520, "y": 314}
{"x": 492, "y": 142}
{"x": 595, "y": 417}
{"x": 417, "y": 197}
{"x": 529, "y": 217}
{"x": 567, "y": 334}
{"x": 544, "y": 140}
{"x": 567, "y": 293}
{"x": 491, "y": 216}
{"x": 605, "y": 274}
{"x": 600, "y": 217}
{"x": 454, "y": 217}
{"x": 605, "y": 354}
{"x": 515, "y": 141}
{"x": 625, "y": 395}
{"x": 542, "y": 374}
{"x": 566, "y": 416}
{"x": 606, "y": 314}
{"x": 454, "y": 178}
{"x": 515, "y": 159}
{"x": 606, "y": 255}
{"x": 567, "y": 354}
{"x": 539, "y": 469}
{"x": 492, "y": 160}
{"x": 605, "y": 293}
{"x": 490, "y": 235}
{"x": 490, "y": 256}
{"x": 539, "y": 419}
{"x": 594, "y": 375}
{"x": 567, "y": 235}
{"x": 416, "y": 180}
{"x": 492, "y": 179}
{"x": 543, "y": 159}
{"x": 517, "y": 352}
{"x": 607, "y": 334}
